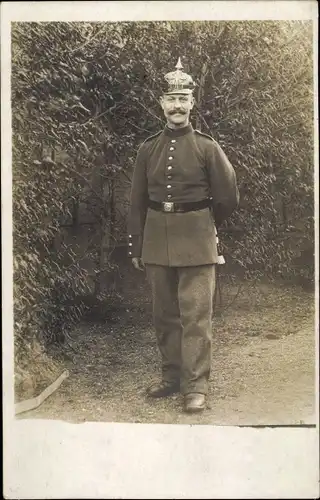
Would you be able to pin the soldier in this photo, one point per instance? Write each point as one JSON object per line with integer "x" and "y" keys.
{"x": 183, "y": 188}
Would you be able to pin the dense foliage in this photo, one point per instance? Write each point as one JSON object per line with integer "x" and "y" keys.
{"x": 84, "y": 95}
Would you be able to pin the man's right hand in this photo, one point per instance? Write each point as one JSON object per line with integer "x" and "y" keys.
{"x": 138, "y": 264}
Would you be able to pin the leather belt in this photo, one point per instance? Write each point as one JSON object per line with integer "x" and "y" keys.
{"x": 173, "y": 207}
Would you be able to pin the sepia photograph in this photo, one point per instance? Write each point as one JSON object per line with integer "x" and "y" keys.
{"x": 163, "y": 222}
{"x": 164, "y": 278}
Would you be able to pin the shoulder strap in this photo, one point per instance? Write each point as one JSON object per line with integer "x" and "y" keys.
{"x": 201, "y": 134}
{"x": 153, "y": 136}
{"x": 204, "y": 135}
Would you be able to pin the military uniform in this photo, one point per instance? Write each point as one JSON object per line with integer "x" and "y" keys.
{"x": 178, "y": 168}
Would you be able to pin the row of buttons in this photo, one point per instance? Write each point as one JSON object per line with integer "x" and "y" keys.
{"x": 130, "y": 243}
{"x": 169, "y": 167}
{"x": 168, "y": 186}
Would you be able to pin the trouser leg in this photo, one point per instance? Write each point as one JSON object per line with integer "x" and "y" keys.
{"x": 196, "y": 288}
{"x": 166, "y": 318}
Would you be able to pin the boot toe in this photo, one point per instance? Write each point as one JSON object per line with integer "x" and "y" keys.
{"x": 162, "y": 389}
{"x": 194, "y": 402}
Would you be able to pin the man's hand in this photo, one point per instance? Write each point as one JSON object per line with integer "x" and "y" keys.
{"x": 138, "y": 264}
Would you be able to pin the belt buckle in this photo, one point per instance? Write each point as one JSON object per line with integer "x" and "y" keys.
{"x": 168, "y": 206}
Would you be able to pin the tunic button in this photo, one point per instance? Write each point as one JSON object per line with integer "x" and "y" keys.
{"x": 169, "y": 177}
{"x": 169, "y": 186}
{"x": 169, "y": 196}
{"x": 170, "y": 158}
{"x": 169, "y": 167}
{"x": 130, "y": 253}
{"x": 173, "y": 140}
{"x": 130, "y": 244}
{"x": 171, "y": 149}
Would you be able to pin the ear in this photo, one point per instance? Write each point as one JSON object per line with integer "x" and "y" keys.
{"x": 161, "y": 101}
{"x": 192, "y": 103}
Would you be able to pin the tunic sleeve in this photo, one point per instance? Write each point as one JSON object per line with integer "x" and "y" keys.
{"x": 223, "y": 183}
{"x": 138, "y": 204}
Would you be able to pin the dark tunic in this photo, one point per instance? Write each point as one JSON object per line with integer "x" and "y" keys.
{"x": 179, "y": 165}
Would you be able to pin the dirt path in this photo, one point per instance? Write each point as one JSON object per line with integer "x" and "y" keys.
{"x": 263, "y": 366}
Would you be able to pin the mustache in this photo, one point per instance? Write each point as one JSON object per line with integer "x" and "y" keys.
{"x": 177, "y": 113}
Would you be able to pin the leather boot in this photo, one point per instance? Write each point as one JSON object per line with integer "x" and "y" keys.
{"x": 194, "y": 402}
{"x": 163, "y": 389}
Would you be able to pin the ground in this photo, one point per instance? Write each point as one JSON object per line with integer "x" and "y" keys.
{"x": 263, "y": 362}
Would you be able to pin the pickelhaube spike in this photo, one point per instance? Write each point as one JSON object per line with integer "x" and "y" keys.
{"x": 179, "y": 64}
{"x": 179, "y": 82}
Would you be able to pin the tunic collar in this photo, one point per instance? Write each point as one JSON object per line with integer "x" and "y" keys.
{"x": 178, "y": 132}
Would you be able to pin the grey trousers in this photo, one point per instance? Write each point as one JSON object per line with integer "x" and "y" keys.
{"x": 182, "y": 316}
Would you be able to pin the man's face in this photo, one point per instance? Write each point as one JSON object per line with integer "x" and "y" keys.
{"x": 176, "y": 108}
